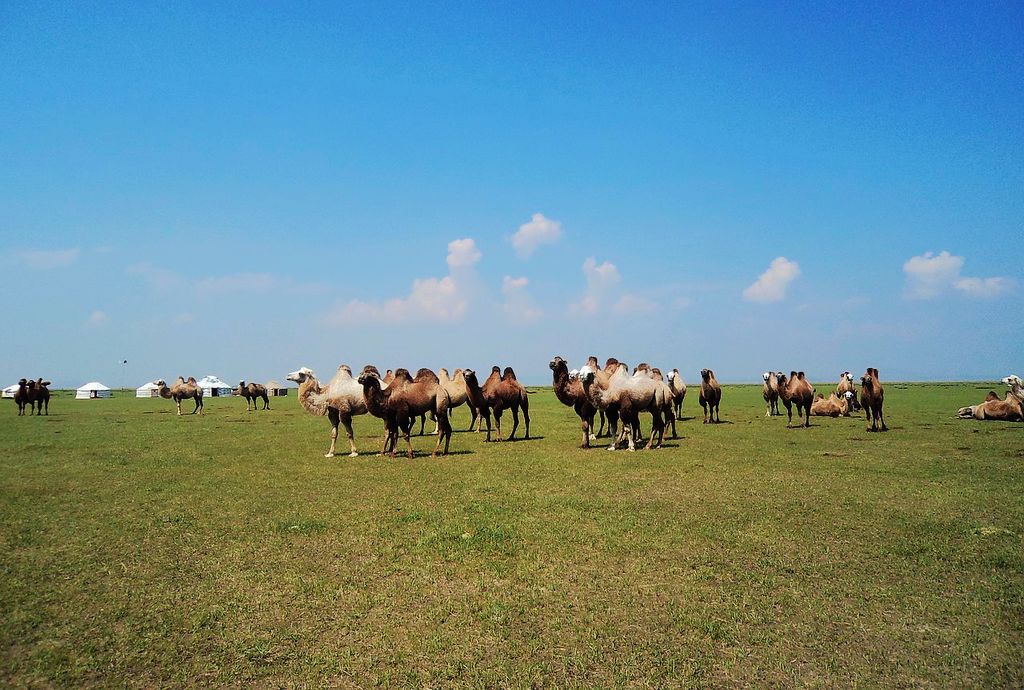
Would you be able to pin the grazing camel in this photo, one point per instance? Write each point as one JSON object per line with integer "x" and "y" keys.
{"x": 39, "y": 394}
{"x": 569, "y": 392}
{"x": 182, "y": 390}
{"x": 872, "y": 396}
{"x": 21, "y": 397}
{"x": 844, "y": 386}
{"x": 770, "y": 393}
{"x": 678, "y": 386}
{"x": 833, "y": 406}
{"x": 252, "y": 393}
{"x": 798, "y": 391}
{"x": 409, "y": 398}
{"x": 710, "y": 397}
{"x": 503, "y": 391}
{"x": 339, "y": 401}
{"x": 628, "y": 396}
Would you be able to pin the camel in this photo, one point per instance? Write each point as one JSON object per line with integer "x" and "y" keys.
{"x": 408, "y": 398}
{"x": 455, "y": 386}
{"x": 569, "y": 392}
{"x": 628, "y": 396}
{"x": 503, "y": 391}
{"x": 376, "y": 396}
{"x": 845, "y": 385}
{"x": 22, "y": 397}
{"x": 833, "y": 406}
{"x": 39, "y": 394}
{"x": 994, "y": 409}
{"x": 339, "y": 401}
{"x": 770, "y": 393}
{"x": 710, "y": 397}
{"x": 668, "y": 411}
{"x": 252, "y": 393}
{"x": 182, "y": 390}
{"x": 678, "y": 386}
{"x": 796, "y": 391}
{"x": 872, "y": 396}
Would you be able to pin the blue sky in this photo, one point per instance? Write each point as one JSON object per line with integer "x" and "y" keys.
{"x": 244, "y": 189}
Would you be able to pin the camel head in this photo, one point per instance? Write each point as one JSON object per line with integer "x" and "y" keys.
{"x": 766, "y": 375}
{"x": 1013, "y": 381}
{"x": 706, "y": 374}
{"x": 592, "y": 361}
{"x": 587, "y": 374}
{"x": 302, "y": 375}
{"x": 22, "y": 382}
{"x": 468, "y": 372}
{"x": 848, "y": 376}
{"x": 555, "y": 362}
{"x": 574, "y": 374}
{"x": 780, "y": 378}
{"x": 868, "y": 378}
{"x": 370, "y": 379}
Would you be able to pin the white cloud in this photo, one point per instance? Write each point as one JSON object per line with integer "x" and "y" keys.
{"x": 429, "y": 299}
{"x": 518, "y": 304}
{"x": 601, "y": 279}
{"x": 462, "y": 253}
{"x": 540, "y": 230}
{"x": 98, "y": 318}
{"x": 634, "y": 304}
{"x": 930, "y": 275}
{"x": 984, "y": 287}
{"x": 41, "y": 259}
{"x": 771, "y": 285}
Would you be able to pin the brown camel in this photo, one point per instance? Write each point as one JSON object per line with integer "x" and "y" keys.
{"x": 770, "y": 393}
{"x": 844, "y": 386}
{"x": 39, "y": 395}
{"x": 377, "y": 397}
{"x": 21, "y": 397}
{"x": 252, "y": 393}
{"x": 339, "y": 401}
{"x": 796, "y": 391}
{"x": 833, "y": 406}
{"x": 710, "y": 397}
{"x": 1009, "y": 409}
{"x": 182, "y": 390}
{"x": 871, "y": 398}
{"x": 503, "y": 391}
{"x": 570, "y": 393}
{"x": 409, "y": 398}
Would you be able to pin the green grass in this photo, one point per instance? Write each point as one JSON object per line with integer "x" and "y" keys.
{"x": 141, "y": 549}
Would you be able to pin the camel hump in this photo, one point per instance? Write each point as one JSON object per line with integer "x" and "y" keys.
{"x": 370, "y": 369}
{"x": 192, "y": 380}
{"x": 991, "y": 396}
{"x": 509, "y": 374}
{"x": 425, "y": 374}
{"x": 800, "y": 375}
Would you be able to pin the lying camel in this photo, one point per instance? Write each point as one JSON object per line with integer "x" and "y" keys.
{"x": 710, "y": 396}
{"x": 871, "y": 398}
{"x": 833, "y": 406}
{"x": 1010, "y": 409}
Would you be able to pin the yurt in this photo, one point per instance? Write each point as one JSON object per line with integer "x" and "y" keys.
{"x": 148, "y": 390}
{"x": 10, "y": 391}
{"x": 275, "y": 389}
{"x": 92, "y": 391}
{"x": 213, "y": 386}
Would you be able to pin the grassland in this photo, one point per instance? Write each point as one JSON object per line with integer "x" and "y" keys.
{"x": 140, "y": 549}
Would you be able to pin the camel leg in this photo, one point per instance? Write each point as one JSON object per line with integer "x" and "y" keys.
{"x": 704, "y": 407}
{"x": 789, "y": 412}
{"x": 515, "y": 421}
{"x": 497, "y": 423}
{"x": 807, "y": 417}
{"x": 485, "y": 413}
{"x": 526, "y": 416}
{"x": 472, "y": 417}
{"x": 881, "y": 417}
{"x": 178, "y": 403}
{"x": 334, "y": 418}
{"x": 586, "y": 433}
{"x": 600, "y": 430}
{"x": 346, "y": 419}
{"x": 408, "y": 442}
{"x": 444, "y": 435}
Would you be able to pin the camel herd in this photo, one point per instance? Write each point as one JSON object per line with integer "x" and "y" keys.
{"x": 610, "y": 393}
{"x": 398, "y": 398}
{"x": 34, "y": 395}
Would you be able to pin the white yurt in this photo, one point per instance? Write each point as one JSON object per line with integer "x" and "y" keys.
{"x": 213, "y": 386}
{"x": 148, "y": 390}
{"x": 10, "y": 391}
{"x": 92, "y": 390}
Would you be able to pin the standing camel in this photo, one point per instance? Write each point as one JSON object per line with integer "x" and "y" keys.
{"x": 571, "y": 394}
{"x": 21, "y": 397}
{"x": 628, "y": 396}
{"x": 871, "y": 398}
{"x": 797, "y": 391}
{"x": 409, "y": 398}
{"x": 182, "y": 390}
{"x": 770, "y": 393}
{"x": 252, "y": 393}
{"x": 503, "y": 391}
{"x": 339, "y": 401}
{"x": 39, "y": 395}
{"x": 455, "y": 386}
{"x": 377, "y": 396}
{"x": 710, "y": 397}
{"x": 678, "y": 386}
